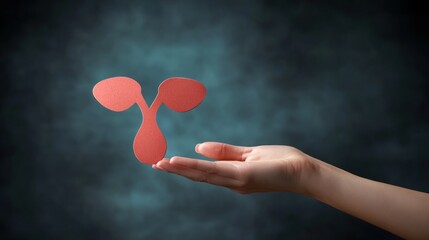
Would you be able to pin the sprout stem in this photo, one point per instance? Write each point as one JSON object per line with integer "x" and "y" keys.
{"x": 141, "y": 102}
{"x": 155, "y": 104}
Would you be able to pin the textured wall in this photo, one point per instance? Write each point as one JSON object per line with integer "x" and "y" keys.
{"x": 346, "y": 82}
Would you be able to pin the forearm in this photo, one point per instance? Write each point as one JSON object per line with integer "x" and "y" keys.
{"x": 398, "y": 210}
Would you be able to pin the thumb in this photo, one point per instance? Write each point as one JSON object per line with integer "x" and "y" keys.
{"x": 222, "y": 151}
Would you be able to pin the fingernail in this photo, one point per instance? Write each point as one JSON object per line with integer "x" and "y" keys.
{"x": 196, "y": 148}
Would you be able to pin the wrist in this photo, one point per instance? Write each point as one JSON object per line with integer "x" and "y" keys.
{"x": 319, "y": 179}
{"x": 307, "y": 178}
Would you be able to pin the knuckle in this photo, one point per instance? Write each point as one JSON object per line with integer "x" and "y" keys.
{"x": 241, "y": 184}
{"x": 222, "y": 149}
{"x": 203, "y": 178}
{"x": 244, "y": 177}
{"x": 214, "y": 168}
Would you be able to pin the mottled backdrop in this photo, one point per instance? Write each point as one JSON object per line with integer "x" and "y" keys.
{"x": 345, "y": 81}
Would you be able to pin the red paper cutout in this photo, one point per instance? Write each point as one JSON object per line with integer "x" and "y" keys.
{"x": 179, "y": 94}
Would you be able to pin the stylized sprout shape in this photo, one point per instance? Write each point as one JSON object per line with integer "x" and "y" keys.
{"x": 120, "y": 93}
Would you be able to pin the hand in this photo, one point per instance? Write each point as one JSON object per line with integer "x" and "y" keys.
{"x": 246, "y": 169}
{"x": 280, "y": 168}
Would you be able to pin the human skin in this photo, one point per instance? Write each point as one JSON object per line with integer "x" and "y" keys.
{"x": 245, "y": 170}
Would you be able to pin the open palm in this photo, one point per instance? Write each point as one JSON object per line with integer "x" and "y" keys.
{"x": 245, "y": 169}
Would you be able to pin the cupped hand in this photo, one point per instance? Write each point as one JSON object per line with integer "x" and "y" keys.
{"x": 245, "y": 170}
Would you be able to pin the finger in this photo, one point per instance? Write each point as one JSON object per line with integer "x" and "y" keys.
{"x": 222, "y": 151}
{"x": 156, "y": 167}
{"x": 159, "y": 165}
{"x": 223, "y": 169}
{"x": 199, "y": 176}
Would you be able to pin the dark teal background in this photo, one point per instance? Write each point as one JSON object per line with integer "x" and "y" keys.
{"x": 345, "y": 81}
